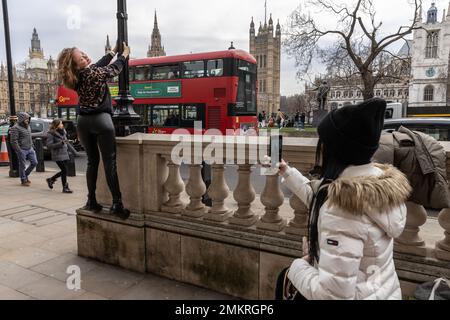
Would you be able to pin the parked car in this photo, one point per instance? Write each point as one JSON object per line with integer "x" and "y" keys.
{"x": 438, "y": 128}
{"x": 39, "y": 129}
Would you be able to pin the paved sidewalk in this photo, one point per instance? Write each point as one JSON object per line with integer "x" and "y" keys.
{"x": 38, "y": 243}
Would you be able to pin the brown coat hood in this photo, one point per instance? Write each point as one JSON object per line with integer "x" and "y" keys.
{"x": 367, "y": 194}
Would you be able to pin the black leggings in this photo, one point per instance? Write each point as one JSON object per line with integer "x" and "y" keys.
{"x": 62, "y": 174}
{"x": 97, "y": 131}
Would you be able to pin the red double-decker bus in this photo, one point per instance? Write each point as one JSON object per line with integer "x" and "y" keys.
{"x": 67, "y": 103}
{"x": 217, "y": 89}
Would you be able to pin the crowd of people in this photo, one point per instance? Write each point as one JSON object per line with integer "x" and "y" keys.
{"x": 282, "y": 120}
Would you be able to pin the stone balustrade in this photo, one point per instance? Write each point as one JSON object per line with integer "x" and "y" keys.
{"x": 240, "y": 244}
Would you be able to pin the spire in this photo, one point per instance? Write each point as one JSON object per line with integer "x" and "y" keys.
{"x": 270, "y": 20}
{"x": 265, "y": 12}
{"x": 156, "y": 49}
{"x": 252, "y": 24}
{"x": 448, "y": 11}
{"x": 444, "y": 16}
{"x": 278, "y": 32}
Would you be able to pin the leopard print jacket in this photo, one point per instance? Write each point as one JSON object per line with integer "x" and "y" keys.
{"x": 92, "y": 84}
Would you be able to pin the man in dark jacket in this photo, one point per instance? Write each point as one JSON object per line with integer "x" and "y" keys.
{"x": 22, "y": 144}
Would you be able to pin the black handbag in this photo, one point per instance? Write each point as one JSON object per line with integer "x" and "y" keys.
{"x": 285, "y": 290}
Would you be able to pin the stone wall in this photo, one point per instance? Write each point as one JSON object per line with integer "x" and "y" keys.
{"x": 237, "y": 251}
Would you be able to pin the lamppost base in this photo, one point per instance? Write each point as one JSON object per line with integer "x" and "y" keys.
{"x": 124, "y": 117}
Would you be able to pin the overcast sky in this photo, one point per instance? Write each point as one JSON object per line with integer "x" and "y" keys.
{"x": 186, "y": 26}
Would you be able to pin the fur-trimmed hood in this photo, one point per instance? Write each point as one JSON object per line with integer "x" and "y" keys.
{"x": 379, "y": 191}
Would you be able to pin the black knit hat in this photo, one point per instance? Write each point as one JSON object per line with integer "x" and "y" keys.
{"x": 352, "y": 134}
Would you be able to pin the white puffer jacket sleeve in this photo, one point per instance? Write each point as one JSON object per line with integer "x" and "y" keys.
{"x": 341, "y": 250}
{"x": 299, "y": 185}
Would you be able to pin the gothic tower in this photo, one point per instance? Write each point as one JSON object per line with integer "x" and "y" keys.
{"x": 156, "y": 49}
{"x": 35, "y": 50}
{"x": 266, "y": 48}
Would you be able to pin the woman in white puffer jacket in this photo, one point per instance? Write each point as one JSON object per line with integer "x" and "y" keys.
{"x": 357, "y": 210}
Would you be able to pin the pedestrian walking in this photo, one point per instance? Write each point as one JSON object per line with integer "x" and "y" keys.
{"x": 95, "y": 126}
{"x": 297, "y": 119}
{"x": 260, "y": 120}
{"x": 357, "y": 209}
{"x": 303, "y": 120}
{"x": 264, "y": 117}
{"x": 58, "y": 144}
{"x": 22, "y": 143}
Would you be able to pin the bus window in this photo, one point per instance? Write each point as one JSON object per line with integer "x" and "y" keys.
{"x": 166, "y": 116}
{"x": 246, "y": 66}
{"x": 193, "y": 69}
{"x": 72, "y": 114}
{"x": 192, "y": 113}
{"x": 215, "y": 68}
{"x": 166, "y": 72}
{"x": 62, "y": 113}
{"x": 141, "y": 110}
{"x": 141, "y": 73}
{"x": 246, "y": 95}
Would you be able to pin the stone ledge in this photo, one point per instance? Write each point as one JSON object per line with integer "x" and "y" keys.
{"x": 251, "y": 238}
{"x": 111, "y": 240}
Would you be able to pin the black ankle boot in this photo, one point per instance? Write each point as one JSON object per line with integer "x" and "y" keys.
{"x": 118, "y": 210}
{"x": 66, "y": 189}
{"x": 93, "y": 206}
{"x": 50, "y": 183}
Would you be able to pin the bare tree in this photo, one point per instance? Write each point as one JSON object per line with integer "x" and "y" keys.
{"x": 296, "y": 103}
{"x": 360, "y": 52}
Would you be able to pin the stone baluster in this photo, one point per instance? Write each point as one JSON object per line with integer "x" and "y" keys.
{"x": 218, "y": 192}
{"x": 244, "y": 194}
{"x": 410, "y": 241}
{"x": 299, "y": 225}
{"x": 272, "y": 198}
{"x": 195, "y": 188}
{"x": 443, "y": 247}
{"x": 174, "y": 186}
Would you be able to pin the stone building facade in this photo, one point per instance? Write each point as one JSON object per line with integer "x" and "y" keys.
{"x": 266, "y": 48}
{"x": 349, "y": 92}
{"x": 156, "y": 49}
{"x": 430, "y": 86}
{"x": 35, "y": 83}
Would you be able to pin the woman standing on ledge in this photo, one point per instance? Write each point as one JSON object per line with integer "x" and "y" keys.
{"x": 356, "y": 211}
{"x": 95, "y": 126}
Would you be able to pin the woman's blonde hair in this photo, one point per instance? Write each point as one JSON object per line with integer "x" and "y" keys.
{"x": 67, "y": 68}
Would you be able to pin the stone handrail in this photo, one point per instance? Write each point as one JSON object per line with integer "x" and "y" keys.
{"x": 155, "y": 192}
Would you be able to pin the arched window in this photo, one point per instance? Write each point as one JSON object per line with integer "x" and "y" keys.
{"x": 385, "y": 93}
{"x": 400, "y": 92}
{"x": 392, "y": 93}
{"x": 378, "y": 94}
{"x": 432, "y": 45}
{"x": 428, "y": 94}
{"x": 338, "y": 94}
